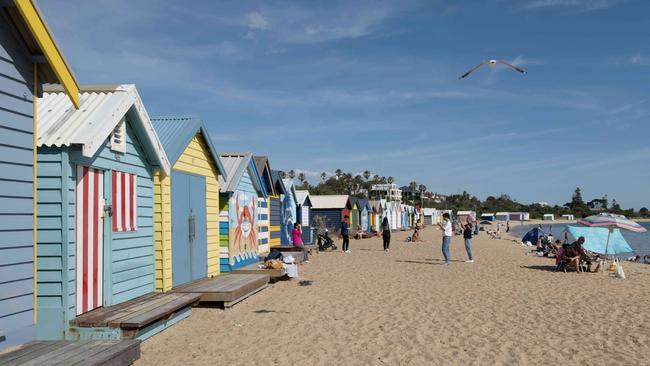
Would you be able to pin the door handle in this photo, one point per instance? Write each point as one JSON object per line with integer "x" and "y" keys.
{"x": 189, "y": 228}
{"x": 193, "y": 228}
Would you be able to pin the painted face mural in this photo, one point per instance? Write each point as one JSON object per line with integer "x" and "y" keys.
{"x": 243, "y": 233}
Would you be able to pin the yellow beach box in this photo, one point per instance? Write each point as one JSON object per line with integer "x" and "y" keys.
{"x": 186, "y": 205}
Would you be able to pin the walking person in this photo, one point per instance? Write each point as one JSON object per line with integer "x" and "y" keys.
{"x": 297, "y": 240}
{"x": 345, "y": 233}
{"x": 385, "y": 233}
{"x": 467, "y": 235}
{"x": 445, "y": 226}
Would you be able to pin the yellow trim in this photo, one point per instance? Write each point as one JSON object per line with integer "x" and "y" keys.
{"x": 34, "y": 193}
{"x": 39, "y": 30}
{"x": 196, "y": 159}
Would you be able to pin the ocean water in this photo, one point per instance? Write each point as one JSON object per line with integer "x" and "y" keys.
{"x": 640, "y": 242}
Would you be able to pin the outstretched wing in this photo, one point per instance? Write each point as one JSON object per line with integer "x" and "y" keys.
{"x": 512, "y": 67}
{"x": 472, "y": 70}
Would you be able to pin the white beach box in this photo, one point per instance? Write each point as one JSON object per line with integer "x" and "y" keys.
{"x": 291, "y": 269}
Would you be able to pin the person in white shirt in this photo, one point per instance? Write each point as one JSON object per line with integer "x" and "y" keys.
{"x": 445, "y": 226}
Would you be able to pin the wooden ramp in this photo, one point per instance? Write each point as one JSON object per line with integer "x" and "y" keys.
{"x": 70, "y": 353}
{"x": 139, "y": 318}
{"x": 274, "y": 274}
{"x": 227, "y": 289}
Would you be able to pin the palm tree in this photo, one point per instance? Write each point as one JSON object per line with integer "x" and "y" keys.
{"x": 301, "y": 177}
{"x": 292, "y": 174}
{"x": 338, "y": 173}
{"x": 366, "y": 175}
{"x": 390, "y": 180}
{"x": 283, "y": 174}
{"x": 422, "y": 188}
{"x": 323, "y": 175}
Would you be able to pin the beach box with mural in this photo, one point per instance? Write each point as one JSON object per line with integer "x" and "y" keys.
{"x": 239, "y": 191}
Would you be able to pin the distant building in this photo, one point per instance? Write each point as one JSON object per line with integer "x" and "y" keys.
{"x": 543, "y": 204}
{"x": 434, "y": 197}
{"x": 388, "y": 192}
{"x": 409, "y": 194}
{"x": 597, "y": 205}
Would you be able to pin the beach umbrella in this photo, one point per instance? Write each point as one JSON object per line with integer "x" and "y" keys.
{"x": 601, "y": 240}
{"x": 611, "y": 222}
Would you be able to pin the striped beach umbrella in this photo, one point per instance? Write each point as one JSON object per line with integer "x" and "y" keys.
{"x": 612, "y": 221}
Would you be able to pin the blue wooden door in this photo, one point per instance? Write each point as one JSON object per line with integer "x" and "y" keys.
{"x": 199, "y": 248}
{"x": 181, "y": 243}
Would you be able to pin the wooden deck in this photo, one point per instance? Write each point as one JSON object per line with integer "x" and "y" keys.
{"x": 70, "y": 353}
{"x": 254, "y": 268}
{"x": 136, "y": 318}
{"x": 227, "y": 289}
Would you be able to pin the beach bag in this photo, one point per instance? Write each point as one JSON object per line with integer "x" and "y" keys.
{"x": 619, "y": 270}
{"x": 274, "y": 254}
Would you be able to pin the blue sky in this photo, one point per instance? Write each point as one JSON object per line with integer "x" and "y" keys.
{"x": 374, "y": 85}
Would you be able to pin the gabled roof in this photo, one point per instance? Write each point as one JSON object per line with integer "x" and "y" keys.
{"x": 334, "y": 201}
{"x": 39, "y": 43}
{"x": 277, "y": 182}
{"x": 303, "y": 198}
{"x": 176, "y": 132}
{"x": 364, "y": 203}
{"x": 354, "y": 201}
{"x": 288, "y": 184}
{"x": 235, "y": 164}
{"x": 264, "y": 169}
{"x": 101, "y": 109}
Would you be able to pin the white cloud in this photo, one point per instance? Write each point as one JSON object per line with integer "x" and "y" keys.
{"x": 639, "y": 60}
{"x": 586, "y": 5}
{"x": 257, "y": 21}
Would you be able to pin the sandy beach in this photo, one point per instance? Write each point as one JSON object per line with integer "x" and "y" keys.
{"x": 369, "y": 307}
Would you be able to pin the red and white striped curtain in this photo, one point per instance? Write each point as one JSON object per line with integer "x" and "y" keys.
{"x": 125, "y": 205}
{"x": 90, "y": 245}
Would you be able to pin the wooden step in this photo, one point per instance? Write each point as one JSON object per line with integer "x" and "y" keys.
{"x": 71, "y": 353}
{"x": 227, "y": 289}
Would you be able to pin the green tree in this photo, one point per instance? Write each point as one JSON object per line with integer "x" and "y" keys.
{"x": 323, "y": 175}
{"x": 292, "y": 174}
{"x": 338, "y": 173}
{"x": 390, "y": 180}
{"x": 643, "y": 212}
{"x": 301, "y": 177}
{"x": 366, "y": 174}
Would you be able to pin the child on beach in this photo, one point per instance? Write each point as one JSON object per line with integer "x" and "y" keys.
{"x": 297, "y": 240}
{"x": 345, "y": 233}
{"x": 445, "y": 226}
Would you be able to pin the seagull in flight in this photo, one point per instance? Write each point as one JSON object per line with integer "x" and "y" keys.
{"x": 493, "y": 63}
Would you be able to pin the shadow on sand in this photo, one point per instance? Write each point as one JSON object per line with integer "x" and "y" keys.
{"x": 546, "y": 268}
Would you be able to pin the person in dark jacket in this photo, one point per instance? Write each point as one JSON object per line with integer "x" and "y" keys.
{"x": 345, "y": 233}
{"x": 385, "y": 233}
{"x": 467, "y": 235}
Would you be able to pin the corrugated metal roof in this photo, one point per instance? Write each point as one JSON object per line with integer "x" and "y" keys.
{"x": 235, "y": 164}
{"x": 330, "y": 201}
{"x": 101, "y": 109}
{"x": 176, "y": 132}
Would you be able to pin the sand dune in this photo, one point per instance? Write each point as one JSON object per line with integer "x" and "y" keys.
{"x": 404, "y": 308}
